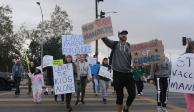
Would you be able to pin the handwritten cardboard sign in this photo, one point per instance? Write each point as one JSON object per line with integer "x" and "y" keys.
{"x": 147, "y": 53}
{"x": 73, "y": 45}
{"x": 182, "y": 74}
{"x": 98, "y": 29}
{"x": 63, "y": 79}
{"x": 105, "y": 72}
{"x": 47, "y": 61}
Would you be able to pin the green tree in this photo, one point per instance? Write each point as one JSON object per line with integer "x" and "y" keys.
{"x": 8, "y": 41}
{"x": 51, "y": 34}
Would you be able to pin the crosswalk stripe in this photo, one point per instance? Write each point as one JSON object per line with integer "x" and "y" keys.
{"x": 175, "y": 108}
{"x": 52, "y": 99}
{"x": 93, "y": 103}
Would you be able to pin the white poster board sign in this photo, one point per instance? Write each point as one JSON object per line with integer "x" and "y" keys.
{"x": 91, "y": 61}
{"x": 63, "y": 79}
{"x": 97, "y": 29}
{"x": 182, "y": 74}
{"x": 105, "y": 72}
{"x": 73, "y": 44}
{"x": 47, "y": 60}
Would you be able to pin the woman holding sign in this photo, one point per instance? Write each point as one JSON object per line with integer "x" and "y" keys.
{"x": 190, "y": 97}
{"x": 69, "y": 59}
{"x": 104, "y": 82}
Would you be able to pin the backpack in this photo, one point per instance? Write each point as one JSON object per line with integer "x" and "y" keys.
{"x": 112, "y": 51}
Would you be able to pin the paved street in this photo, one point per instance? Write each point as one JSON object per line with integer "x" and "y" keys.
{"x": 147, "y": 103}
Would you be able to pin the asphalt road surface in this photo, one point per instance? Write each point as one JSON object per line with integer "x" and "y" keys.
{"x": 146, "y": 103}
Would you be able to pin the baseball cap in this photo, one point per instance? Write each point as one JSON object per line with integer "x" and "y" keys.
{"x": 124, "y": 32}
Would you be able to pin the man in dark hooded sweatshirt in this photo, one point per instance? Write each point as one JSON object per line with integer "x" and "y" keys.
{"x": 121, "y": 64}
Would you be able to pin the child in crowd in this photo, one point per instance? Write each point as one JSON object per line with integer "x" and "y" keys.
{"x": 37, "y": 85}
{"x": 138, "y": 75}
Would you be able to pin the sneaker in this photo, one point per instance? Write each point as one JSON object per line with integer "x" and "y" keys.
{"x": 125, "y": 109}
{"x": 159, "y": 109}
{"x": 70, "y": 109}
{"x": 82, "y": 102}
{"x": 77, "y": 101}
{"x": 164, "y": 109}
{"x": 67, "y": 106}
{"x": 138, "y": 94}
{"x": 104, "y": 100}
{"x": 141, "y": 93}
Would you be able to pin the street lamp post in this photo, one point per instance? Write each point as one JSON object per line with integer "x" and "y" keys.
{"x": 41, "y": 44}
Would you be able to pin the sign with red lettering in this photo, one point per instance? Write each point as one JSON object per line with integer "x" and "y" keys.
{"x": 182, "y": 74}
{"x": 98, "y": 29}
{"x": 147, "y": 53}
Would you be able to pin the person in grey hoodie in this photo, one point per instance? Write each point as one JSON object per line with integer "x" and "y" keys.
{"x": 17, "y": 70}
{"x": 121, "y": 64}
{"x": 160, "y": 73}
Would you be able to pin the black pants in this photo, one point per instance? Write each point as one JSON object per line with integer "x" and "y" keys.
{"x": 121, "y": 80}
{"x": 62, "y": 97}
{"x": 68, "y": 98}
{"x": 29, "y": 85}
{"x": 93, "y": 84}
{"x": 17, "y": 85}
{"x": 139, "y": 85}
{"x": 162, "y": 90}
{"x": 81, "y": 87}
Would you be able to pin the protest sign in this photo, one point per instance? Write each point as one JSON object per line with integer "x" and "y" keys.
{"x": 63, "y": 79}
{"x": 106, "y": 72}
{"x": 73, "y": 44}
{"x": 147, "y": 53}
{"x": 47, "y": 61}
{"x": 91, "y": 61}
{"x": 58, "y": 62}
{"x": 98, "y": 29}
{"x": 182, "y": 74}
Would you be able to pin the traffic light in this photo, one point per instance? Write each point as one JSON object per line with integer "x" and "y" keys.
{"x": 184, "y": 41}
{"x": 102, "y": 14}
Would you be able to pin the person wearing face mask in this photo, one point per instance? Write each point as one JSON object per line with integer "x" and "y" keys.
{"x": 121, "y": 64}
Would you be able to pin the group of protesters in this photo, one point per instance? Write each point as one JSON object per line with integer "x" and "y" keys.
{"x": 124, "y": 75}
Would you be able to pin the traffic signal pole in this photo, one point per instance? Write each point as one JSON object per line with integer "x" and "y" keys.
{"x": 96, "y": 52}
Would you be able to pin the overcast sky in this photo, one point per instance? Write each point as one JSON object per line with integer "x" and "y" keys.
{"x": 167, "y": 20}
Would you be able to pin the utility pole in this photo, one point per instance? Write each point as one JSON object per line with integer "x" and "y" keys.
{"x": 96, "y": 4}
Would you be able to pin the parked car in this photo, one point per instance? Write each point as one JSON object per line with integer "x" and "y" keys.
{"x": 6, "y": 81}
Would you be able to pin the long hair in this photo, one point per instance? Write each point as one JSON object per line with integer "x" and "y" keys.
{"x": 190, "y": 47}
{"x": 104, "y": 60}
{"x": 69, "y": 57}
{"x": 37, "y": 71}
